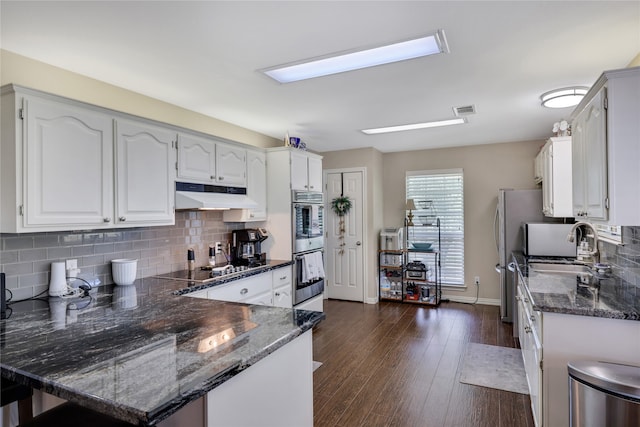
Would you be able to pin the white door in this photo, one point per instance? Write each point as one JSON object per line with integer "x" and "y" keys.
{"x": 345, "y": 264}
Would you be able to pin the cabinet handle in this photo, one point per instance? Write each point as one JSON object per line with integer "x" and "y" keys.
{"x": 122, "y": 218}
{"x": 312, "y": 187}
{"x": 277, "y": 294}
{"x": 243, "y": 291}
{"x": 221, "y": 178}
{"x": 533, "y": 318}
{"x": 107, "y": 219}
{"x": 526, "y": 299}
{"x": 518, "y": 298}
{"x": 212, "y": 177}
{"x": 527, "y": 329}
{"x": 358, "y": 243}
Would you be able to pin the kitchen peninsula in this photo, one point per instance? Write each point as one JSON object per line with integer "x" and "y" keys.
{"x": 141, "y": 353}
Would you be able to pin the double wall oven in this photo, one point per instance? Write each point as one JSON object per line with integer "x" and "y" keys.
{"x": 308, "y": 245}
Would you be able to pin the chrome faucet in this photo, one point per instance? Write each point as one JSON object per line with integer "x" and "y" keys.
{"x": 590, "y": 253}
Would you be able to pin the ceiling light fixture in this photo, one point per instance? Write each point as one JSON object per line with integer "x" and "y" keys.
{"x": 355, "y": 60}
{"x": 414, "y": 126}
{"x": 565, "y": 97}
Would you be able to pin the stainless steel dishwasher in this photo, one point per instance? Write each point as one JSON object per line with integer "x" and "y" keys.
{"x": 604, "y": 394}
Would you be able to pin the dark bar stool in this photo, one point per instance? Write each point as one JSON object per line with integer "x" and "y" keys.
{"x": 71, "y": 415}
{"x": 13, "y": 392}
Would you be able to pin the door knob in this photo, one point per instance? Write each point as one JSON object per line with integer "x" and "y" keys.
{"x": 122, "y": 218}
{"x": 358, "y": 243}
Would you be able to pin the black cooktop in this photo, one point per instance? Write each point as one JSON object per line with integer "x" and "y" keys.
{"x": 205, "y": 274}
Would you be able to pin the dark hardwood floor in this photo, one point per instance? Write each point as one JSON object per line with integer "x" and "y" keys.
{"x": 394, "y": 364}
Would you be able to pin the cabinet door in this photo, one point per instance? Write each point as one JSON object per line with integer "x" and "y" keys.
{"x": 578, "y": 167}
{"x": 196, "y": 159}
{"x": 231, "y": 165}
{"x": 282, "y": 287}
{"x": 68, "y": 166}
{"x": 262, "y": 299}
{"x": 145, "y": 174}
{"x": 315, "y": 174}
{"x": 547, "y": 179}
{"x": 299, "y": 172}
{"x": 257, "y": 184}
{"x": 596, "y": 157}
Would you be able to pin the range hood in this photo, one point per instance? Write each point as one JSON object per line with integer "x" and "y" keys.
{"x": 203, "y": 196}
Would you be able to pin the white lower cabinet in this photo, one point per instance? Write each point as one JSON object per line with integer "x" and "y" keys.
{"x": 243, "y": 290}
{"x": 549, "y": 341}
{"x": 272, "y": 288}
{"x": 282, "y": 287}
{"x": 529, "y": 329}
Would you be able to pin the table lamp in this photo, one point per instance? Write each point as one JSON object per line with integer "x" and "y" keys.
{"x": 410, "y": 206}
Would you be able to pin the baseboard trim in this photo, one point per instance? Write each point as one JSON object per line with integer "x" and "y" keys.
{"x": 471, "y": 300}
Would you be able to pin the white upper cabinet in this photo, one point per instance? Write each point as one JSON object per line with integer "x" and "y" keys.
{"x": 207, "y": 161}
{"x": 144, "y": 171}
{"x": 256, "y": 190}
{"x": 65, "y": 181}
{"x": 231, "y": 165}
{"x": 557, "y": 178}
{"x": 65, "y": 168}
{"x": 606, "y": 153}
{"x": 196, "y": 159}
{"x": 589, "y": 160}
{"x": 306, "y": 172}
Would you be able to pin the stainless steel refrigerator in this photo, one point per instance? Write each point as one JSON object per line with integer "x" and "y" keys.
{"x": 514, "y": 207}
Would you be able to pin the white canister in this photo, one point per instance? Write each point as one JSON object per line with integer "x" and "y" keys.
{"x": 58, "y": 281}
{"x": 124, "y": 271}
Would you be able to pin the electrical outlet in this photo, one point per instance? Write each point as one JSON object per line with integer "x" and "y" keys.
{"x": 477, "y": 280}
{"x": 218, "y": 247}
{"x": 71, "y": 264}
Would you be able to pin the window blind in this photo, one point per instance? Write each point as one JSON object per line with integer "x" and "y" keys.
{"x": 439, "y": 194}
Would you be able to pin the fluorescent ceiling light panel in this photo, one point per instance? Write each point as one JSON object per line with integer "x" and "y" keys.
{"x": 355, "y": 60}
{"x": 401, "y": 128}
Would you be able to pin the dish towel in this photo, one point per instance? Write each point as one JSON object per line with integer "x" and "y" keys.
{"x": 312, "y": 267}
{"x": 308, "y": 268}
{"x": 319, "y": 264}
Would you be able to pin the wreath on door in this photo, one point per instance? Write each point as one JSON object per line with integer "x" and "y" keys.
{"x": 341, "y": 207}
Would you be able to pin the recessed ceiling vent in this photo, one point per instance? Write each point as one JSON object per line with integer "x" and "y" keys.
{"x": 464, "y": 110}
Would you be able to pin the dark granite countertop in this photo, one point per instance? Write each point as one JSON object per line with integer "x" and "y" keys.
{"x": 593, "y": 295}
{"x": 140, "y": 352}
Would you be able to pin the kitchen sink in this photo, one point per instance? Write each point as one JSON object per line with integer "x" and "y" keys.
{"x": 543, "y": 267}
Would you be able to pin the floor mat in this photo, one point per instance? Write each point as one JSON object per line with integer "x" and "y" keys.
{"x": 494, "y": 367}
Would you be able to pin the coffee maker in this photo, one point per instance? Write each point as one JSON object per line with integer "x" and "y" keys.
{"x": 245, "y": 247}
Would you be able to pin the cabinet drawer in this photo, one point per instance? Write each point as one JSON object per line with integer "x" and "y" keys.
{"x": 243, "y": 289}
{"x": 281, "y": 277}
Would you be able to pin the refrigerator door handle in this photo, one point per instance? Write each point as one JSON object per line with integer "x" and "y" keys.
{"x": 495, "y": 230}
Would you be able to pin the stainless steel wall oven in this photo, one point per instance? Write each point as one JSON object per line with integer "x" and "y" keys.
{"x": 308, "y": 245}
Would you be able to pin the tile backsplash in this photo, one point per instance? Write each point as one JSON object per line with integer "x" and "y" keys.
{"x": 26, "y": 258}
{"x": 624, "y": 259}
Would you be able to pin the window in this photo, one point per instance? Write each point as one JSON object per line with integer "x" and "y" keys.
{"x": 439, "y": 194}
